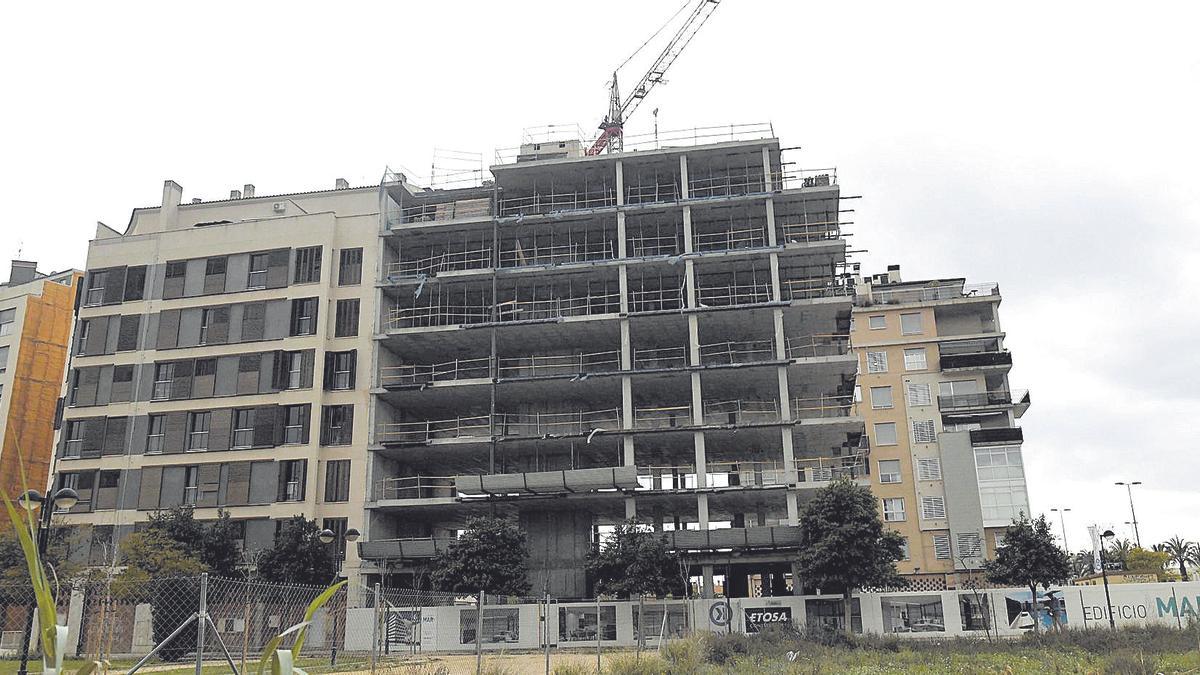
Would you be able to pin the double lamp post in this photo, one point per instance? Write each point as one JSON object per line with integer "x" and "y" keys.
{"x": 64, "y": 499}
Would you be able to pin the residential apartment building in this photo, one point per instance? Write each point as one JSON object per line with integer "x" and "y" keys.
{"x": 215, "y": 365}
{"x": 35, "y": 329}
{"x": 945, "y": 448}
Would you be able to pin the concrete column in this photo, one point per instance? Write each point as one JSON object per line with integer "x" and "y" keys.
{"x": 620, "y": 183}
{"x": 623, "y": 288}
{"x": 626, "y": 346}
{"x": 776, "y": 283}
{"x": 689, "y": 285}
{"x": 797, "y": 586}
{"x": 630, "y": 508}
{"x": 702, "y": 510}
{"x": 693, "y": 340}
{"x": 689, "y": 245}
{"x": 683, "y": 177}
{"x": 772, "y": 236}
{"x": 768, "y": 181}
{"x": 707, "y": 591}
{"x": 780, "y": 334}
{"x": 622, "y": 236}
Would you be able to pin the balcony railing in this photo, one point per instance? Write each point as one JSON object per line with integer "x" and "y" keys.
{"x": 574, "y": 423}
{"x": 730, "y": 239}
{"x": 560, "y": 307}
{"x": 791, "y": 177}
{"x": 978, "y": 400}
{"x": 661, "y": 357}
{"x": 822, "y": 407}
{"x": 415, "y": 374}
{"x": 810, "y": 346}
{"x": 399, "y": 549}
{"x": 803, "y": 232}
{"x": 815, "y": 287}
{"x": 997, "y": 435}
{"x": 741, "y": 411}
{"x": 733, "y": 294}
{"x": 400, "y": 317}
{"x": 478, "y": 426}
{"x": 662, "y": 417}
{"x": 415, "y": 487}
{"x": 895, "y": 296}
{"x": 543, "y": 365}
{"x": 728, "y": 353}
{"x": 513, "y": 254}
{"x": 827, "y": 469}
{"x": 538, "y": 203}
{"x": 598, "y": 479}
{"x": 655, "y": 299}
{"x": 480, "y": 207}
{"x": 995, "y": 359}
{"x": 443, "y": 261}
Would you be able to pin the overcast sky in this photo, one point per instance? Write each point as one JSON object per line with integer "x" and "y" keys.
{"x": 1050, "y": 147}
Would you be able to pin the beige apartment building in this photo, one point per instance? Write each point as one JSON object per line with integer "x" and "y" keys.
{"x": 933, "y": 392}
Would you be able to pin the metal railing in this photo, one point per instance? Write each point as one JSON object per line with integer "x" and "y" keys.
{"x": 415, "y": 487}
{"x": 717, "y": 475}
{"x": 647, "y": 246}
{"x": 536, "y": 365}
{"x": 895, "y": 296}
{"x": 815, "y": 287}
{"x": 728, "y": 353}
{"x": 478, "y": 426}
{"x": 727, "y": 182}
{"x": 792, "y": 177}
{"x": 825, "y": 469}
{"x": 515, "y": 255}
{"x": 444, "y": 261}
{"x": 479, "y": 207}
{"x": 655, "y": 299}
{"x": 557, "y": 308}
{"x": 673, "y": 139}
{"x": 539, "y": 203}
{"x": 662, "y": 417}
{"x": 660, "y": 357}
{"x": 741, "y": 411}
{"x": 427, "y": 373}
{"x": 557, "y": 423}
{"x": 650, "y": 193}
{"x": 794, "y": 233}
{"x": 437, "y": 315}
{"x": 822, "y": 407}
{"x": 976, "y": 400}
{"x": 733, "y": 294}
{"x": 730, "y": 239}
{"x": 809, "y": 346}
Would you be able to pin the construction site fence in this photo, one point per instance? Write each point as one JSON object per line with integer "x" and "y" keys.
{"x": 379, "y": 629}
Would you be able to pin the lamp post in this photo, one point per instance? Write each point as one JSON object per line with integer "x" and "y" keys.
{"x": 1129, "y": 489}
{"x": 1063, "y": 521}
{"x": 65, "y": 498}
{"x": 1104, "y": 539}
{"x": 326, "y": 536}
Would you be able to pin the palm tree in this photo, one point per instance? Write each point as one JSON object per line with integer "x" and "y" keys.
{"x": 1081, "y": 564}
{"x": 1118, "y": 551}
{"x": 1181, "y": 552}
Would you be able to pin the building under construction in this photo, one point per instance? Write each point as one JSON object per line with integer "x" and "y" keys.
{"x": 660, "y": 333}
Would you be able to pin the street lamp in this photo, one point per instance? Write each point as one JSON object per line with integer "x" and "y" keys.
{"x": 65, "y": 498}
{"x": 1062, "y": 521}
{"x": 1129, "y": 489}
{"x": 326, "y": 536}
{"x": 1104, "y": 539}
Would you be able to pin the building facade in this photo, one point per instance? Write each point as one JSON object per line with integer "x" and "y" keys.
{"x": 35, "y": 329}
{"x": 933, "y": 391}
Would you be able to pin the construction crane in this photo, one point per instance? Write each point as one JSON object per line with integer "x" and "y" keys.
{"x": 619, "y": 111}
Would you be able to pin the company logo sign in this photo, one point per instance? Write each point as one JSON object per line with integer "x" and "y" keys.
{"x": 718, "y": 613}
{"x": 761, "y": 617}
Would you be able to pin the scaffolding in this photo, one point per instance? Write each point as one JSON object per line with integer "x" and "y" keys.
{"x": 415, "y": 374}
{"x": 546, "y": 365}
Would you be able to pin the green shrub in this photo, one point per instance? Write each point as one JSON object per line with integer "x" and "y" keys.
{"x": 573, "y": 668}
{"x": 1130, "y": 663}
{"x": 686, "y": 656}
{"x": 632, "y": 664}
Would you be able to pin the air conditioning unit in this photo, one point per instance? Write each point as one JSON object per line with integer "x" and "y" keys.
{"x": 279, "y": 207}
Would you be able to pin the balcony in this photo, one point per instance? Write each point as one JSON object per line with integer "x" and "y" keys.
{"x": 1000, "y": 397}
{"x": 822, "y": 407}
{"x": 815, "y": 287}
{"x": 542, "y": 424}
{"x": 906, "y": 294}
{"x": 426, "y": 431}
{"x": 812, "y": 346}
{"x": 551, "y": 365}
{"x": 394, "y": 549}
{"x": 733, "y": 353}
{"x": 415, "y": 487}
{"x": 616, "y": 479}
{"x": 738, "y": 538}
{"x": 812, "y": 473}
{"x": 419, "y": 375}
{"x": 478, "y": 207}
{"x": 659, "y": 358}
{"x": 997, "y": 435}
{"x": 976, "y": 360}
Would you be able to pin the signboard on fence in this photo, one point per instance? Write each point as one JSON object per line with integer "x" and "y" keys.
{"x": 758, "y": 618}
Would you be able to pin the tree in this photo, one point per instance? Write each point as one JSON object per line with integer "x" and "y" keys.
{"x": 844, "y": 544}
{"x": 634, "y": 561}
{"x": 1082, "y": 564}
{"x": 298, "y": 556}
{"x": 1180, "y": 553}
{"x": 1029, "y": 557}
{"x": 1118, "y": 552}
{"x": 1148, "y": 562}
{"x": 161, "y": 570}
{"x": 211, "y": 542}
{"x": 491, "y": 555}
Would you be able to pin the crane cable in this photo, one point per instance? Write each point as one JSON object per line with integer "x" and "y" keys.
{"x": 649, "y": 39}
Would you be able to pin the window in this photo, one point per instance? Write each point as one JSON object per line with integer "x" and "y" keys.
{"x": 1003, "y": 504}
{"x": 999, "y": 463}
{"x": 74, "y": 444}
{"x": 295, "y": 365}
{"x": 962, "y": 426}
{"x": 893, "y": 509}
{"x": 343, "y": 370}
{"x": 876, "y": 362}
{"x": 941, "y": 546}
{"x": 206, "y": 367}
{"x": 998, "y": 539}
{"x": 914, "y": 359}
{"x": 308, "y": 265}
{"x": 291, "y": 480}
{"x": 345, "y": 323}
{"x": 923, "y": 431}
{"x": 337, "y": 480}
{"x": 7, "y": 318}
{"x": 3, "y": 359}
{"x": 176, "y": 269}
{"x": 889, "y": 471}
{"x": 243, "y": 428}
{"x": 337, "y": 422}
{"x": 1001, "y": 477}
{"x": 904, "y": 552}
{"x": 191, "y": 484}
{"x": 933, "y": 508}
{"x": 918, "y": 394}
{"x": 881, "y": 397}
{"x": 885, "y": 433}
{"x": 293, "y": 424}
{"x": 164, "y": 373}
{"x": 206, "y": 317}
{"x": 258, "y": 271}
{"x": 135, "y": 283}
{"x": 970, "y": 545}
{"x": 910, "y": 324}
{"x": 214, "y": 266}
{"x": 304, "y": 316}
{"x": 929, "y": 468}
{"x": 156, "y": 431}
{"x": 82, "y": 338}
{"x": 198, "y": 431}
{"x": 95, "y": 289}
{"x": 877, "y": 322}
{"x": 350, "y": 267}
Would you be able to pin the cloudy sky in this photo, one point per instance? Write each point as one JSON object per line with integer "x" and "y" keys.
{"x": 1050, "y": 147}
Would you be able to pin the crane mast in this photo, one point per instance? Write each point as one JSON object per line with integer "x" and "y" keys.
{"x": 619, "y": 110}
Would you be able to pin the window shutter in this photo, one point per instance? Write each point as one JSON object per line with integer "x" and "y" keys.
{"x": 208, "y": 483}
{"x": 254, "y": 321}
{"x": 970, "y": 544}
{"x": 220, "y": 424}
{"x": 181, "y": 381}
{"x": 175, "y": 432}
{"x": 941, "y": 546}
{"x": 326, "y": 414}
{"x": 93, "y": 437}
{"x": 97, "y": 338}
{"x": 89, "y": 383}
{"x": 353, "y": 365}
{"x": 264, "y": 426}
{"x": 933, "y": 508}
{"x": 305, "y": 414}
{"x": 277, "y": 267}
{"x": 307, "y": 357}
{"x": 127, "y": 332}
{"x": 114, "y": 436}
{"x": 327, "y": 374}
{"x": 135, "y": 283}
{"x": 923, "y": 431}
{"x": 218, "y": 325}
{"x": 114, "y": 286}
{"x": 347, "y": 435}
{"x": 279, "y": 370}
{"x": 151, "y": 487}
{"x": 918, "y": 394}
{"x": 303, "y": 477}
{"x": 237, "y": 491}
{"x": 876, "y": 362}
{"x": 281, "y": 484}
{"x": 929, "y": 469}
{"x": 168, "y": 329}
